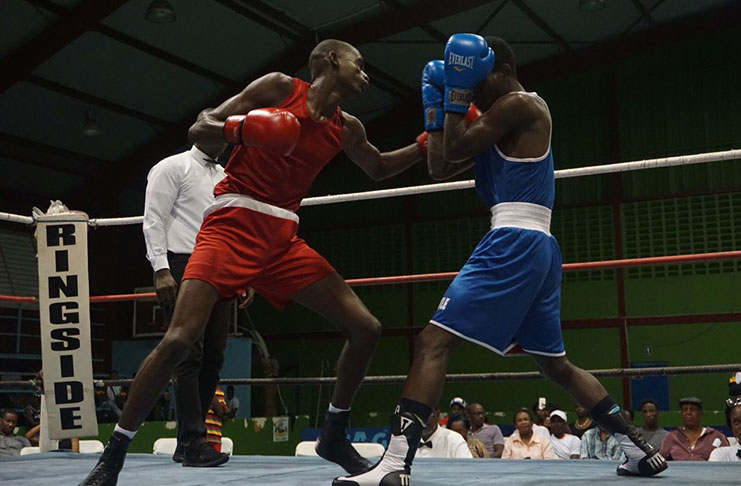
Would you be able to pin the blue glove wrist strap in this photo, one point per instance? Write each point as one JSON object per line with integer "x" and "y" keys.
{"x": 457, "y": 100}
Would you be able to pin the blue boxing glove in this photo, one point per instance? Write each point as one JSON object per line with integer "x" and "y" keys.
{"x": 433, "y": 86}
{"x": 468, "y": 59}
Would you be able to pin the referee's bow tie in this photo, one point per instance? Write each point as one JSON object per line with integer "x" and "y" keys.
{"x": 427, "y": 443}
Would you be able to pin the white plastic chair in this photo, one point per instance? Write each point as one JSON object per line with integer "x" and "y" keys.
{"x": 369, "y": 449}
{"x": 29, "y": 450}
{"x": 306, "y": 449}
{"x": 227, "y": 445}
{"x": 165, "y": 446}
{"x": 365, "y": 449}
{"x": 91, "y": 447}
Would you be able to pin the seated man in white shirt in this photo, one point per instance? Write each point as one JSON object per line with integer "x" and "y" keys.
{"x": 565, "y": 445}
{"x": 441, "y": 442}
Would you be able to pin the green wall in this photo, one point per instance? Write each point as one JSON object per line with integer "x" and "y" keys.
{"x": 677, "y": 99}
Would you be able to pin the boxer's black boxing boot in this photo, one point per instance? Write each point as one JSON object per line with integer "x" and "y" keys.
{"x": 395, "y": 467}
{"x": 642, "y": 459}
{"x": 333, "y": 445}
{"x": 105, "y": 472}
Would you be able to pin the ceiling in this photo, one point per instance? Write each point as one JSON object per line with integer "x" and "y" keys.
{"x": 144, "y": 83}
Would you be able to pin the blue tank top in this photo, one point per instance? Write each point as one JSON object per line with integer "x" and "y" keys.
{"x": 504, "y": 179}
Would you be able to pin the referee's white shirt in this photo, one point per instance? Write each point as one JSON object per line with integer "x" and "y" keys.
{"x": 445, "y": 443}
{"x": 179, "y": 189}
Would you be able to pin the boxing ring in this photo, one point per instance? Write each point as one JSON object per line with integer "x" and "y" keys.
{"x": 67, "y": 469}
{"x": 57, "y": 468}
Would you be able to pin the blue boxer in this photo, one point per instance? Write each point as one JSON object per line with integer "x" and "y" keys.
{"x": 509, "y": 291}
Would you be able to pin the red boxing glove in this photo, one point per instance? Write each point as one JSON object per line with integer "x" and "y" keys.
{"x": 422, "y": 142}
{"x": 272, "y": 129}
{"x": 472, "y": 114}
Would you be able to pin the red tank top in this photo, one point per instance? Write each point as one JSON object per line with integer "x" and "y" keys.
{"x": 284, "y": 181}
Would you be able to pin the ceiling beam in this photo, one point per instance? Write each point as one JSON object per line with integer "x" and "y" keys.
{"x": 645, "y": 15}
{"x": 54, "y": 38}
{"x": 37, "y": 146}
{"x": 305, "y": 39}
{"x": 537, "y": 20}
{"x": 644, "y": 11}
{"x": 46, "y": 163}
{"x": 491, "y": 16}
{"x": 95, "y": 101}
{"x": 395, "y": 21}
{"x": 164, "y": 55}
{"x": 430, "y": 30}
{"x": 696, "y": 25}
{"x": 140, "y": 46}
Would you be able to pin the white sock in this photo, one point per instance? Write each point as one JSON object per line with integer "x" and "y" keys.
{"x": 127, "y": 433}
{"x": 334, "y": 409}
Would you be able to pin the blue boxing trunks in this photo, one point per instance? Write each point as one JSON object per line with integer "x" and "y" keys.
{"x": 509, "y": 291}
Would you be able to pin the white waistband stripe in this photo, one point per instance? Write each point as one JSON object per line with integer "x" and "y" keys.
{"x": 521, "y": 215}
{"x": 242, "y": 201}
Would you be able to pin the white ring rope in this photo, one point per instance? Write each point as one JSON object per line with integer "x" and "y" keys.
{"x": 454, "y": 186}
{"x": 116, "y": 221}
{"x": 16, "y": 218}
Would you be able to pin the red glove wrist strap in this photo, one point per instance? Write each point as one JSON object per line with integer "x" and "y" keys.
{"x": 233, "y": 129}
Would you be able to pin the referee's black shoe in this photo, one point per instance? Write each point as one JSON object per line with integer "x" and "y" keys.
{"x": 203, "y": 455}
{"x": 177, "y": 456}
{"x": 105, "y": 472}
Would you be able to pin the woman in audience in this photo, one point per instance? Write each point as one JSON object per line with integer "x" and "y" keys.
{"x": 731, "y": 453}
{"x": 523, "y": 443}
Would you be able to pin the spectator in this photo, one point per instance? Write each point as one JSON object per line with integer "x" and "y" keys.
{"x": 524, "y": 443}
{"x": 232, "y": 402}
{"x": 691, "y": 441}
{"x": 457, "y": 407}
{"x": 540, "y": 413}
{"x": 582, "y": 423}
{"x": 112, "y": 399}
{"x": 10, "y": 444}
{"x": 565, "y": 445}
{"x": 71, "y": 445}
{"x": 441, "y": 442}
{"x": 734, "y": 385}
{"x": 32, "y": 411}
{"x": 731, "y": 453}
{"x": 490, "y": 435}
{"x": 216, "y": 413}
{"x": 597, "y": 443}
{"x": 650, "y": 430}
{"x": 460, "y": 424}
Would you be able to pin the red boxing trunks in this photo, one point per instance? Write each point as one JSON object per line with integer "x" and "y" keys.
{"x": 246, "y": 243}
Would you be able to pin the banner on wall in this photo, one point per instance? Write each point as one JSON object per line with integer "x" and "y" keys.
{"x": 64, "y": 312}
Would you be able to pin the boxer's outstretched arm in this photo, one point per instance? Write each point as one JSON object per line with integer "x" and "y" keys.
{"x": 268, "y": 91}
{"x": 510, "y": 112}
{"x": 376, "y": 164}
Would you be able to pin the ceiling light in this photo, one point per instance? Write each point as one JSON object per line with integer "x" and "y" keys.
{"x": 592, "y": 5}
{"x": 160, "y": 12}
{"x": 91, "y": 127}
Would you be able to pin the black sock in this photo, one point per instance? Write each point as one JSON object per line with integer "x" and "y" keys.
{"x": 417, "y": 408}
{"x": 609, "y": 416}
